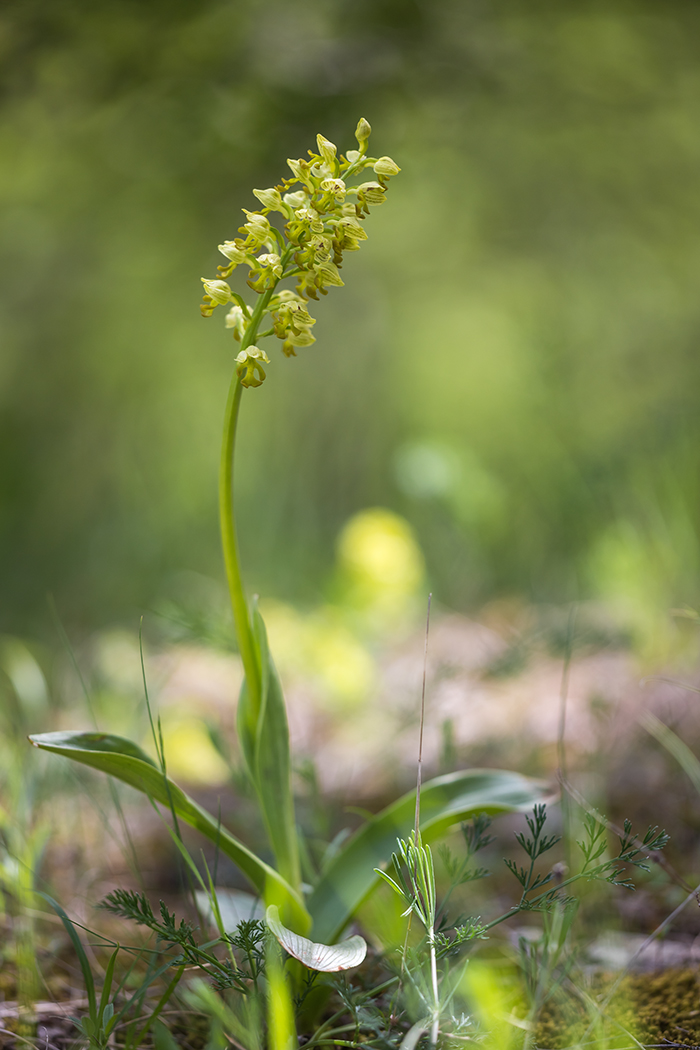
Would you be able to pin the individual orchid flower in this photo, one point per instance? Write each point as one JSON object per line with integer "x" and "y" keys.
{"x": 385, "y": 167}
{"x": 371, "y": 193}
{"x": 249, "y": 368}
{"x": 271, "y": 199}
{"x": 233, "y": 252}
{"x": 327, "y": 150}
{"x": 336, "y": 187}
{"x": 236, "y": 320}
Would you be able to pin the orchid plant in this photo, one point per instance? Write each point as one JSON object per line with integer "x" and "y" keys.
{"x": 293, "y": 247}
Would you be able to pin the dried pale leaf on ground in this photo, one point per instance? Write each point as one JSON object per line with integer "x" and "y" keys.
{"x": 326, "y": 957}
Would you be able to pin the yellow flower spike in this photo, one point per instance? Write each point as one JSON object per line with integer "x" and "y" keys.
{"x": 322, "y": 218}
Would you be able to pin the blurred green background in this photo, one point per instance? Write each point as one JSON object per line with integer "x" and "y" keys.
{"x": 513, "y": 365}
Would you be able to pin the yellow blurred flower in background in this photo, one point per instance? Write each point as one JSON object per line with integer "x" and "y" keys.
{"x": 190, "y": 753}
{"x": 320, "y": 647}
{"x": 381, "y": 568}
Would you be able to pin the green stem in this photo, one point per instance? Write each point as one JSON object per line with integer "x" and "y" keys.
{"x": 239, "y": 604}
{"x": 435, "y": 1027}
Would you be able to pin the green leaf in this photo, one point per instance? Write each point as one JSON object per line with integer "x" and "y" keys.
{"x": 326, "y": 957}
{"x": 125, "y": 760}
{"x": 264, "y": 736}
{"x": 445, "y": 801}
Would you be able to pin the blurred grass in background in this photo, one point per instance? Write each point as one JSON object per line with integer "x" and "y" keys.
{"x": 513, "y": 366}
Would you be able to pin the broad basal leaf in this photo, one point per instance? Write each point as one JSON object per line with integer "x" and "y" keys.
{"x": 264, "y": 736}
{"x": 273, "y": 764}
{"x": 444, "y": 802}
{"x": 326, "y": 957}
{"x": 125, "y": 760}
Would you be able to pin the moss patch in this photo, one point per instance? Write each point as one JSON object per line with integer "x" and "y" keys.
{"x": 654, "y": 1007}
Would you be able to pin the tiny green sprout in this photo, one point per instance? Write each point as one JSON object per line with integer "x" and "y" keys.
{"x": 414, "y": 882}
{"x": 322, "y": 214}
{"x": 416, "y": 886}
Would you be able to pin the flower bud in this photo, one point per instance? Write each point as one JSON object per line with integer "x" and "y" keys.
{"x": 362, "y": 133}
{"x": 269, "y": 199}
{"x": 385, "y": 167}
{"x": 353, "y": 155}
{"x": 218, "y": 291}
{"x": 231, "y": 250}
{"x": 299, "y": 168}
{"x": 327, "y": 150}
